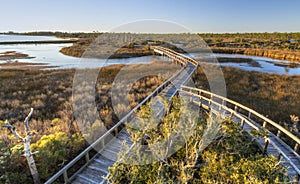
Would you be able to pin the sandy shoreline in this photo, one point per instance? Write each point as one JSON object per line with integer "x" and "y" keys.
{"x": 24, "y": 66}
{"x": 12, "y": 55}
{"x": 10, "y": 59}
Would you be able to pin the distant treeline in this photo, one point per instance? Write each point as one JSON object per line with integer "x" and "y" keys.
{"x": 284, "y": 46}
{"x": 258, "y": 36}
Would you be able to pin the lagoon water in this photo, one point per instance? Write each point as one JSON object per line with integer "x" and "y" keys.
{"x": 258, "y": 64}
{"x": 49, "y": 54}
{"x": 7, "y": 38}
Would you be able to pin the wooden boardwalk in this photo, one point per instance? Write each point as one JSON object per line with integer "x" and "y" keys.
{"x": 95, "y": 169}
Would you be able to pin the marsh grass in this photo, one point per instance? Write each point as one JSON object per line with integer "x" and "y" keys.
{"x": 275, "y": 96}
{"x": 50, "y": 94}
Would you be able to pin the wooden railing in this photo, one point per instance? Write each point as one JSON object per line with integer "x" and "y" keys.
{"x": 219, "y": 104}
{"x": 181, "y": 58}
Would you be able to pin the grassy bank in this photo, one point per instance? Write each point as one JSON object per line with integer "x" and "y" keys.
{"x": 275, "y": 96}
{"x": 274, "y": 54}
{"x": 12, "y": 55}
{"x": 80, "y": 50}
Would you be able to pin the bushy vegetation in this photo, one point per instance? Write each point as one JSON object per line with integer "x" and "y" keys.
{"x": 260, "y": 39}
{"x": 57, "y": 135}
{"x": 218, "y": 151}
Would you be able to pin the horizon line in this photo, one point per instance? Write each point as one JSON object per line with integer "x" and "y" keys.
{"x": 88, "y": 32}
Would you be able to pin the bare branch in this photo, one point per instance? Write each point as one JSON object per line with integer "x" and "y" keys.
{"x": 12, "y": 129}
{"x": 26, "y": 121}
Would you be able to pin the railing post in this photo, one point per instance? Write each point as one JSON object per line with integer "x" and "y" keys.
{"x": 266, "y": 146}
{"x": 264, "y": 124}
{"x": 249, "y": 115}
{"x": 242, "y": 123}
{"x": 102, "y": 143}
{"x": 231, "y": 114}
{"x": 235, "y": 108}
{"x": 200, "y": 100}
{"x": 296, "y": 178}
{"x": 222, "y": 105}
{"x": 278, "y": 133}
{"x": 87, "y": 157}
{"x": 296, "y": 147}
{"x": 66, "y": 178}
{"x": 116, "y": 131}
{"x": 279, "y": 156}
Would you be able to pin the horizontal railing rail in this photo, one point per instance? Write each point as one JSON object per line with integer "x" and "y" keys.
{"x": 250, "y": 111}
{"x": 223, "y": 103}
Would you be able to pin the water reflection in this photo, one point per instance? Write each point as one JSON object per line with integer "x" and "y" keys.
{"x": 254, "y": 63}
{"x": 49, "y": 54}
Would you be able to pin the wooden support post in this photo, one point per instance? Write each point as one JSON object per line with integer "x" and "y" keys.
{"x": 264, "y": 124}
{"x": 243, "y": 123}
{"x": 223, "y": 102}
{"x": 102, "y": 143}
{"x": 279, "y": 156}
{"x": 231, "y": 114}
{"x": 296, "y": 178}
{"x": 87, "y": 157}
{"x": 266, "y": 146}
{"x": 235, "y": 108}
{"x": 249, "y": 115}
{"x": 278, "y": 133}
{"x": 66, "y": 178}
{"x": 296, "y": 147}
{"x": 200, "y": 99}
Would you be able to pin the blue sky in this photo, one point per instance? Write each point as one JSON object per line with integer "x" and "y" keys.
{"x": 197, "y": 15}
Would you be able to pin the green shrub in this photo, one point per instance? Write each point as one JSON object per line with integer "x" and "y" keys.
{"x": 218, "y": 151}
